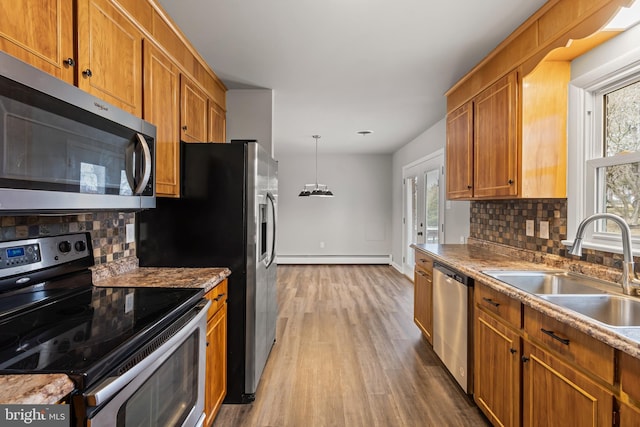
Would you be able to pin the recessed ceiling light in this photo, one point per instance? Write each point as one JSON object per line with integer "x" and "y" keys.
{"x": 364, "y": 132}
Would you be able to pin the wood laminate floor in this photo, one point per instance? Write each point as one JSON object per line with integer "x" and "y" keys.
{"x": 347, "y": 353}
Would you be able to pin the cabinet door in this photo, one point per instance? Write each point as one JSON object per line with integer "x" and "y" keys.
{"x": 193, "y": 112}
{"x": 496, "y": 140}
{"x": 496, "y": 385}
{"x": 216, "y": 370}
{"x": 40, "y": 32}
{"x": 460, "y": 153}
{"x": 555, "y": 394}
{"x": 162, "y": 108}
{"x": 109, "y": 55}
{"x": 423, "y": 302}
{"x": 217, "y": 123}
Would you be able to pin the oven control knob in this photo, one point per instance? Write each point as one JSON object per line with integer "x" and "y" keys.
{"x": 64, "y": 247}
{"x": 80, "y": 246}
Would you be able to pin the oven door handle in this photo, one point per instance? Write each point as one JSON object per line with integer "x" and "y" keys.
{"x": 110, "y": 386}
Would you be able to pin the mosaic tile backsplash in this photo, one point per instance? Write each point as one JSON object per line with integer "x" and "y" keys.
{"x": 504, "y": 222}
{"x": 107, "y": 229}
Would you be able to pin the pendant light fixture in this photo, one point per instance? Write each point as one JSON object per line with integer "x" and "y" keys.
{"x": 317, "y": 190}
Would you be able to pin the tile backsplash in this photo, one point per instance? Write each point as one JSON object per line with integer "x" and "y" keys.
{"x": 504, "y": 222}
{"x": 107, "y": 229}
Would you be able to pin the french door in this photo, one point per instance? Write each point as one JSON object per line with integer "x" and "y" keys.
{"x": 423, "y": 203}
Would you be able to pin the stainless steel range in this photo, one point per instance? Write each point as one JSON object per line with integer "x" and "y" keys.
{"x": 135, "y": 355}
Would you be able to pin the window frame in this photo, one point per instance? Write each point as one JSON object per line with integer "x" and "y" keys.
{"x": 585, "y": 150}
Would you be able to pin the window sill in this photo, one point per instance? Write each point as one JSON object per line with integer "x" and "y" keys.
{"x": 605, "y": 247}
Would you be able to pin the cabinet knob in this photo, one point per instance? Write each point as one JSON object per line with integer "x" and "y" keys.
{"x": 513, "y": 350}
{"x": 69, "y": 62}
{"x": 184, "y": 127}
{"x": 525, "y": 359}
{"x": 510, "y": 181}
{"x": 469, "y": 187}
{"x": 87, "y": 73}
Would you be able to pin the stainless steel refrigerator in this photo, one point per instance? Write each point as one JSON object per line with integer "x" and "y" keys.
{"x": 225, "y": 217}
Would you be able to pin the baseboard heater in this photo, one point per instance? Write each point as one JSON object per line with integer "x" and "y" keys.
{"x": 334, "y": 259}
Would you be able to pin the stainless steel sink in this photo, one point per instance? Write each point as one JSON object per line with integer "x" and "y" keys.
{"x": 550, "y": 282}
{"x": 612, "y": 310}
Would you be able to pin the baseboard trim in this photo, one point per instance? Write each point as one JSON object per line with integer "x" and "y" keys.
{"x": 334, "y": 259}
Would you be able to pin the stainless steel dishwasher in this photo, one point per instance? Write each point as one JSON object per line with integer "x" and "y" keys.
{"x": 452, "y": 323}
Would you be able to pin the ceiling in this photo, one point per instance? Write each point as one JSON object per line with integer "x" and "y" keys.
{"x": 340, "y": 66}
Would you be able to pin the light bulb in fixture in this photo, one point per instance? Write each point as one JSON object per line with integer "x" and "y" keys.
{"x": 316, "y": 190}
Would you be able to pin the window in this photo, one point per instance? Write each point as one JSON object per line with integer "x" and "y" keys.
{"x": 614, "y": 170}
{"x": 604, "y": 142}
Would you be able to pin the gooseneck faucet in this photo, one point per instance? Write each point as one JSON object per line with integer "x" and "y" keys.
{"x": 630, "y": 283}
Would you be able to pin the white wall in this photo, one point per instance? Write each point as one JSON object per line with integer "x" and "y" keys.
{"x": 456, "y": 213}
{"x": 355, "y": 225}
{"x": 250, "y": 116}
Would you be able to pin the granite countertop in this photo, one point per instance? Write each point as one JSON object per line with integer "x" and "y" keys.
{"x": 34, "y": 389}
{"x": 471, "y": 260}
{"x": 160, "y": 277}
{"x": 51, "y": 388}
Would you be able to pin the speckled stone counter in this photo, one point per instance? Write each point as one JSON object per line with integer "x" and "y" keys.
{"x": 50, "y": 388}
{"x": 472, "y": 259}
{"x": 158, "y": 277}
{"x": 34, "y": 389}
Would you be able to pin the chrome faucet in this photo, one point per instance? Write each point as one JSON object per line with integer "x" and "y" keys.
{"x": 630, "y": 283}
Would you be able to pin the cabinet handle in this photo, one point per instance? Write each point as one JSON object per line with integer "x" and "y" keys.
{"x": 70, "y": 62}
{"x": 218, "y": 297}
{"x": 525, "y": 359}
{"x": 554, "y": 336}
{"x": 490, "y": 301}
{"x": 184, "y": 127}
{"x": 510, "y": 181}
{"x": 87, "y": 73}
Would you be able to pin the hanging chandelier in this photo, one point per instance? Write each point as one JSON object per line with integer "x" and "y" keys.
{"x": 317, "y": 190}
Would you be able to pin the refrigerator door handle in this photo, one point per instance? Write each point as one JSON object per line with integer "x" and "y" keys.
{"x": 273, "y": 240}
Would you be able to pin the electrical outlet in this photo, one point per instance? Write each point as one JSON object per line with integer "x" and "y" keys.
{"x": 530, "y": 231}
{"x": 131, "y": 233}
{"x": 544, "y": 229}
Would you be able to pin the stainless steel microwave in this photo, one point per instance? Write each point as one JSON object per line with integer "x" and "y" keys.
{"x": 64, "y": 150}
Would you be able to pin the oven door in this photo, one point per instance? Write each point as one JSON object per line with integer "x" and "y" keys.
{"x": 166, "y": 388}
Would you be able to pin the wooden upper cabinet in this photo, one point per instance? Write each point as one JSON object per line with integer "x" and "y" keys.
{"x": 495, "y": 158}
{"x": 47, "y": 45}
{"x": 109, "y": 55}
{"x": 162, "y": 108}
{"x": 217, "y": 123}
{"x": 460, "y": 152}
{"x": 193, "y": 112}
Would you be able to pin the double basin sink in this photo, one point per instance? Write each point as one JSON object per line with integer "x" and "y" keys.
{"x": 583, "y": 294}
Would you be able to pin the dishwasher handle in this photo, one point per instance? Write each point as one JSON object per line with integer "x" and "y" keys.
{"x": 452, "y": 274}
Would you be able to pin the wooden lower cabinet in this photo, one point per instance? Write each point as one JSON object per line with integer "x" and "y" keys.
{"x": 497, "y": 370}
{"x": 423, "y": 295}
{"x": 216, "y": 366}
{"x": 629, "y": 416}
{"x": 556, "y": 394}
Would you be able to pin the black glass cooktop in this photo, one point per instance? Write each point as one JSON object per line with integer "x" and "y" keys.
{"x": 86, "y": 333}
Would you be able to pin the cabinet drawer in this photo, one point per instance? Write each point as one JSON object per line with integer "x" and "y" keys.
{"x": 425, "y": 262}
{"x": 507, "y": 308}
{"x": 577, "y": 348}
{"x": 217, "y": 296}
